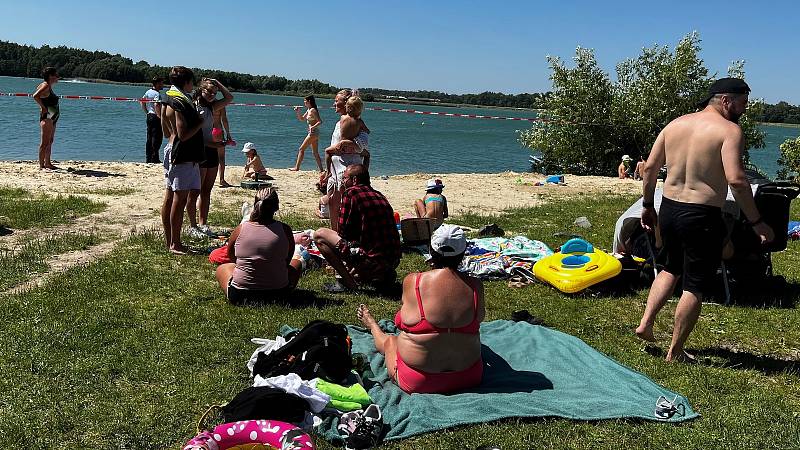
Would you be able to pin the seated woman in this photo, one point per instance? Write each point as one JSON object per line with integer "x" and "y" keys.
{"x": 439, "y": 347}
{"x": 263, "y": 249}
{"x": 433, "y": 205}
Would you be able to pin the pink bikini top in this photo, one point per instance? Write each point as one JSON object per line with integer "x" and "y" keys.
{"x": 425, "y": 327}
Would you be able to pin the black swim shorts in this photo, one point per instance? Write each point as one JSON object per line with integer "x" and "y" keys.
{"x": 692, "y": 237}
{"x": 239, "y": 296}
{"x": 211, "y": 158}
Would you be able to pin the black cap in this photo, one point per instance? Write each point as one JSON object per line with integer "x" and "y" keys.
{"x": 725, "y": 86}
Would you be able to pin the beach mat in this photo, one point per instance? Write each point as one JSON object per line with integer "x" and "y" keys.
{"x": 529, "y": 371}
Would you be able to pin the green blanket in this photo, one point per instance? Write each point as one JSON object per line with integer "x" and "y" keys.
{"x": 530, "y": 371}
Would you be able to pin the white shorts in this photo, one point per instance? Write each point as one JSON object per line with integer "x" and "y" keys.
{"x": 182, "y": 176}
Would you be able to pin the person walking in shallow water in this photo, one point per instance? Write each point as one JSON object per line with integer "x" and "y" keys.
{"x": 703, "y": 154}
{"x": 311, "y": 117}
{"x": 48, "y": 116}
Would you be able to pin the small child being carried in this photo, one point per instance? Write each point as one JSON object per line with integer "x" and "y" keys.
{"x": 354, "y": 132}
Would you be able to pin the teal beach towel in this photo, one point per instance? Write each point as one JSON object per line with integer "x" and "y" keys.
{"x": 529, "y": 371}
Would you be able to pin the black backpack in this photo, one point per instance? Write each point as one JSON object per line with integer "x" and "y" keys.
{"x": 320, "y": 350}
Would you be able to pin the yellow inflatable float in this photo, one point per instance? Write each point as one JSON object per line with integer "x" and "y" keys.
{"x": 576, "y": 267}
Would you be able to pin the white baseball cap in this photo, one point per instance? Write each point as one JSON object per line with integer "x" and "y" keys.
{"x": 626, "y": 158}
{"x": 434, "y": 183}
{"x": 248, "y": 146}
{"x": 448, "y": 240}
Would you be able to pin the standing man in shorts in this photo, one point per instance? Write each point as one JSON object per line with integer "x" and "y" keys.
{"x": 181, "y": 156}
{"x": 703, "y": 154}
{"x": 152, "y": 109}
{"x": 366, "y": 248}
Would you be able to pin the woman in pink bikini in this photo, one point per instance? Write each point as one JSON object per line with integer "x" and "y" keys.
{"x": 438, "y": 349}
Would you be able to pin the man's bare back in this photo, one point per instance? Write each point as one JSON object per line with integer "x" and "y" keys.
{"x": 692, "y": 146}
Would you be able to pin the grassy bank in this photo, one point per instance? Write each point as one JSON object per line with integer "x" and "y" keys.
{"x": 21, "y": 209}
{"x": 130, "y": 350}
{"x": 31, "y": 258}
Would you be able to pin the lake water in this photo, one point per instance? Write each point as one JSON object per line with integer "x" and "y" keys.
{"x": 400, "y": 143}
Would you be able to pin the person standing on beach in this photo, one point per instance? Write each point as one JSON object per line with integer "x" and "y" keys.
{"x": 222, "y": 129}
{"x": 703, "y": 154}
{"x": 182, "y": 154}
{"x": 335, "y": 170}
{"x": 207, "y": 105}
{"x": 48, "y": 116}
{"x": 311, "y": 117}
{"x": 152, "y": 110}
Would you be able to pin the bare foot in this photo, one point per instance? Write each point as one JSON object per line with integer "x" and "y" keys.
{"x": 681, "y": 357}
{"x": 365, "y": 317}
{"x": 645, "y": 333}
{"x": 225, "y": 184}
{"x": 294, "y": 169}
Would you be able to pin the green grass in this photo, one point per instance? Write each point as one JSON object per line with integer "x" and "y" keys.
{"x": 130, "y": 350}
{"x": 30, "y": 258}
{"x": 21, "y": 209}
{"x": 112, "y": 192}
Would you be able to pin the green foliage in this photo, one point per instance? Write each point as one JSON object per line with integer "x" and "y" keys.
{"x": 781, "y": 112}
{"x": 789, "y": 161}
{"x": 581, "y": 102}
{"x": 595, "y": 121}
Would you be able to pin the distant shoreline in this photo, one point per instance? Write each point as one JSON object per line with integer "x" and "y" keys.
{"x": 780, "y": 124}
{"x": 327, "y": 96}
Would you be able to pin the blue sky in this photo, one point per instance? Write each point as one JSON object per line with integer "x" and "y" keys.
{"x": 452, "y": 46}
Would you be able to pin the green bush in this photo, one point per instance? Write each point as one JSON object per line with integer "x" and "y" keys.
{"x": 789, "y": 161}
{"x": 593, "y": 120}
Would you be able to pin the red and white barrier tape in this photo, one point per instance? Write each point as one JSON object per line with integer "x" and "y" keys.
{"x": 267, "y": 105}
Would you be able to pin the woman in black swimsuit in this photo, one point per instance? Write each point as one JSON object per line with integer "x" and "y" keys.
{"x": 48, "y": 116}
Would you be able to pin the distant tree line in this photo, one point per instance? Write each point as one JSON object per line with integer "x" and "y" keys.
{"x": 780, "y": 113}
{"x": 27, "y": 61}
{"x": 535, "y": 100}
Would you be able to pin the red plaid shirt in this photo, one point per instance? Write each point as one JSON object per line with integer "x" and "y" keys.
{"x": 366, "y": 217}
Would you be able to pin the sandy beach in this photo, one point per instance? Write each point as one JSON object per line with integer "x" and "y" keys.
{"x": 133, "y": 193}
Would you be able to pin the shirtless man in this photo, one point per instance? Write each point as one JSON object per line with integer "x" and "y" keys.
{"x": 703, "y": 152}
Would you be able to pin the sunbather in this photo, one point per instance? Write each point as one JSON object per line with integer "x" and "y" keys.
{"x": 439, "y": 348}
{"x": 433, "y": 205}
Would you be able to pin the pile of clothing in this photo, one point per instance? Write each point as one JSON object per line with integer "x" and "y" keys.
{"x": 794, "y": 230}
{"x": 306, "y": 377}
{"x": 500, "y": 258}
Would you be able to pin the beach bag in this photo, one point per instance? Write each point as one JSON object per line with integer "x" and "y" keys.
{"x": 261, "y": 403}
{"x": 416, "y": 231}
{"x": 320, "y": 350}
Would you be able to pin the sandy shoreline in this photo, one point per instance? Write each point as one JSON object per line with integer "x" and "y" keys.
{"x": 133, "y": 193}
{"x": 140, "y": 186}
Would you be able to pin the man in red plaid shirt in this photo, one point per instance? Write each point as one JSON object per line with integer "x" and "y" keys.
{"x": 367, "y": 247}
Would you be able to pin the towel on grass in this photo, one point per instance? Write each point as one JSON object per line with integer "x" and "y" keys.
{"x": 496, "y": 258}
{"x": 529, "y": 371}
